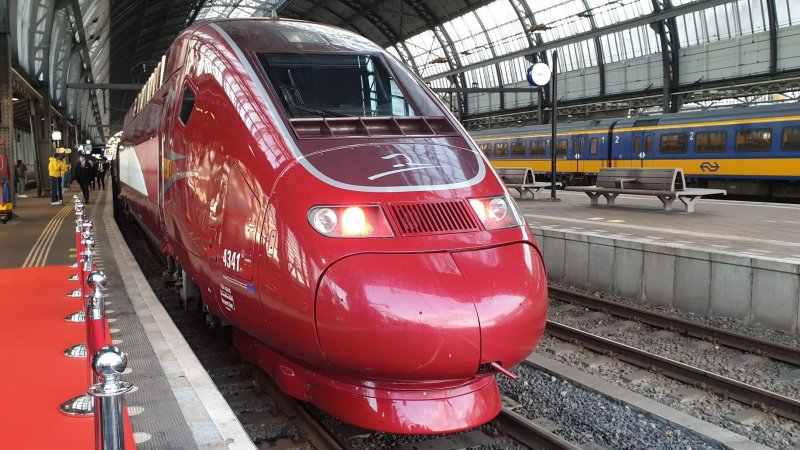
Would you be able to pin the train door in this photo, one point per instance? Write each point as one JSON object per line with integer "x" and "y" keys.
{"x": 646, "y": 153}
{"x": 234, "y": 266}
{"x": 577, "y": 154}
{"x": 165, "y": 144}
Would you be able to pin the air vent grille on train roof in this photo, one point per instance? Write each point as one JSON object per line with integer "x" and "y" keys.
{"x": 415, "y": 218}
{"x": 333, "y": 127}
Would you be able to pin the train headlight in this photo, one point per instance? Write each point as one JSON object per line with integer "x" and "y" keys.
{"x": 324, "y": 220}
{"x": 357, "y": 221}
{"x": 496, "y": 212}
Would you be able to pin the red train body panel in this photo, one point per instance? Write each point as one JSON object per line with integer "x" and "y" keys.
{"x": 327, "y": 206}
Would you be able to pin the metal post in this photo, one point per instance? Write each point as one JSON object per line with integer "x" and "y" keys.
{"x": 109, "y": 363}
{"x": 554, "y": 120}
{"x": 96, "y": 329}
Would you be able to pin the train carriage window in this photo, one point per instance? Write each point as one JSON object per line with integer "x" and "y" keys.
{"x": 710, "y": 141}
{"x": 791, "y": 139}
{"x": 758, "y": 140}
{"x": 486, "y": 149}
{"x": 500, "y": 150}
{"x": 538, "y": 148}
{"x": 637, "y": 145}
{"x": 187, "y": 104}
{"x": 593, "y": 146}
{"x": 518, "y": 149}
{"x": 561, "y": 147}
{"x": 648, "y": 143}
{"x": 674, "y": 143}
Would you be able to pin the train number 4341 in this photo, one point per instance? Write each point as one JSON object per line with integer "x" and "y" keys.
{"x": 231, "y": 260}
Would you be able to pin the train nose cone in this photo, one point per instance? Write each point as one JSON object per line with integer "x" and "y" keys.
{"x": 431, "y": 316}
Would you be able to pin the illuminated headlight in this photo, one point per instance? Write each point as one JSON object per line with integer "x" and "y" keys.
{"x": 496, "y": 212}
{"x": 360, "y": 221}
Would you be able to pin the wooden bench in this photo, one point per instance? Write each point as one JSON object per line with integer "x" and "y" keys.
{"x": 666, "y": 184}
{"x": 522, "y": 179}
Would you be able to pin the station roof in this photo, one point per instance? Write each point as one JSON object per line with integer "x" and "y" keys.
{"x": 453, "y": 45}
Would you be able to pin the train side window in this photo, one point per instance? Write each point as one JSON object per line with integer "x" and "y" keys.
{"x": 561, "y": 147}
{"x": 710, "y": 141}
{"x": 518, "y": 149}
{"x": 637, "y": 145}
{"x": 486, "y": 149}
{"x": 593, "y": 146}
{"x": 187, "y": 104}
{"x": 500, "y": 150}
{"x": 648, "y": 143}
{"x": 538, "y": 148}
{"x": 791, "y": 139}
{"x": 674, "y": 143}
{"x": 758, "y": 140}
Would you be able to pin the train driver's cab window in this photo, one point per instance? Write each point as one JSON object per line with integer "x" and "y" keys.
{"x": 500, "y": 150}
{"x": 518, "y": 149}
{"x": 674, "y": 143}
{"x": 187, "y": 104}
{"x": 486, "y": 149}
{"x": 335, "y": 85}
{"x": 791, "y": 139}
{"x": 710, "y": 142}
{"x": 561, "y": 147}
{"x": 538, "y": 148}
{"x": 759, "y": 140}
{"x": 593, "y": 146}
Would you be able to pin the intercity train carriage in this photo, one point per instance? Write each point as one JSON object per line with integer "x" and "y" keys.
{"x": 319, "y": 198}
{"x": 749, "y": 151}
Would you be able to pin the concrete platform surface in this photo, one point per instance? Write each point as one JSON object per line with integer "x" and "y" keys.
{"x": 751, "y": 229}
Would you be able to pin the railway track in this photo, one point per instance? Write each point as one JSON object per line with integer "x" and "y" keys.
{"x": 756, "y": 397}
{"x": 702, "y": 379}
{"x": 742, "y": 342}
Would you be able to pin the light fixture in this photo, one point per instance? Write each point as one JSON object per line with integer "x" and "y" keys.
{"x": 539, "y": 28}
{"x": 13, "y": 99}
{"x": 56, "y": 135}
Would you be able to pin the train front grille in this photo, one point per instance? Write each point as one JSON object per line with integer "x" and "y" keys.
{"x": 415, "y": 218}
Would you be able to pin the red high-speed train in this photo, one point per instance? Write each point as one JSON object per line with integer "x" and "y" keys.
{"x": 322, "y": 201}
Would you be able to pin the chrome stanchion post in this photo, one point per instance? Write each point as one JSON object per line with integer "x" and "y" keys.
{"x": 96, "y": 324}
{"x": 108, "y": 364}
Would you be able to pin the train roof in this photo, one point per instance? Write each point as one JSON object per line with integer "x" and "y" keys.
{"x": 545, "y": 129}
{"x": 739, "y": 113}
{"x": 290, "y": 36}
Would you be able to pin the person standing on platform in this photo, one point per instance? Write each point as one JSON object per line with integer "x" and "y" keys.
{"x": 19, "y": 171}
{"x": 84, "y": 174}
{"x": 101, "y": 174}
{"x": 62, "y": 160}
{"x": 66, "y": 180}
{"x": 54, "y": 169}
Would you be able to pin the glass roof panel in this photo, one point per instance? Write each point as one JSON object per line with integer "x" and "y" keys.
{"x": 237, "y": 8}
{"x": 469, "y": 39}
{"x": 503, "y": 26}
{"x": 428, "y": 53}
{"x": 565, "y": 18}
{"x": 609, "y": 12}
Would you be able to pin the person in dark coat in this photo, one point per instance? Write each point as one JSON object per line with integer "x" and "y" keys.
{"x": 84, "y": 173}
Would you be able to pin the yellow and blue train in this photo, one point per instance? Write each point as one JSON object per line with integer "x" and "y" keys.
{"x": 748, "y": 151}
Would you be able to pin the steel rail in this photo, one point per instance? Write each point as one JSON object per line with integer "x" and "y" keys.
{"x": 758, "y": 398}
{"x": 743, "y": 342}
{"x": 531, "y": 434}
{"x": 314, "y": 432}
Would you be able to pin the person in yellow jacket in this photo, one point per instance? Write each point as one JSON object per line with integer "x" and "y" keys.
{"x": 54, "y": 168}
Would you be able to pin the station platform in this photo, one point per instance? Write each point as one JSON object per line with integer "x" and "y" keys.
{"x": 729, "y": 258}
{"x": 174, "y": 403}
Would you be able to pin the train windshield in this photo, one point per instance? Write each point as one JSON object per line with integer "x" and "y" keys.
{"x": 335, "y": 85}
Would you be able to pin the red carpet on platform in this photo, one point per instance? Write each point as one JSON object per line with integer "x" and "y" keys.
{"x": 35, "y": 376}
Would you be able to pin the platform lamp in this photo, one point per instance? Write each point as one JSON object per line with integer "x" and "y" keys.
{"x": 539, "y": 75}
